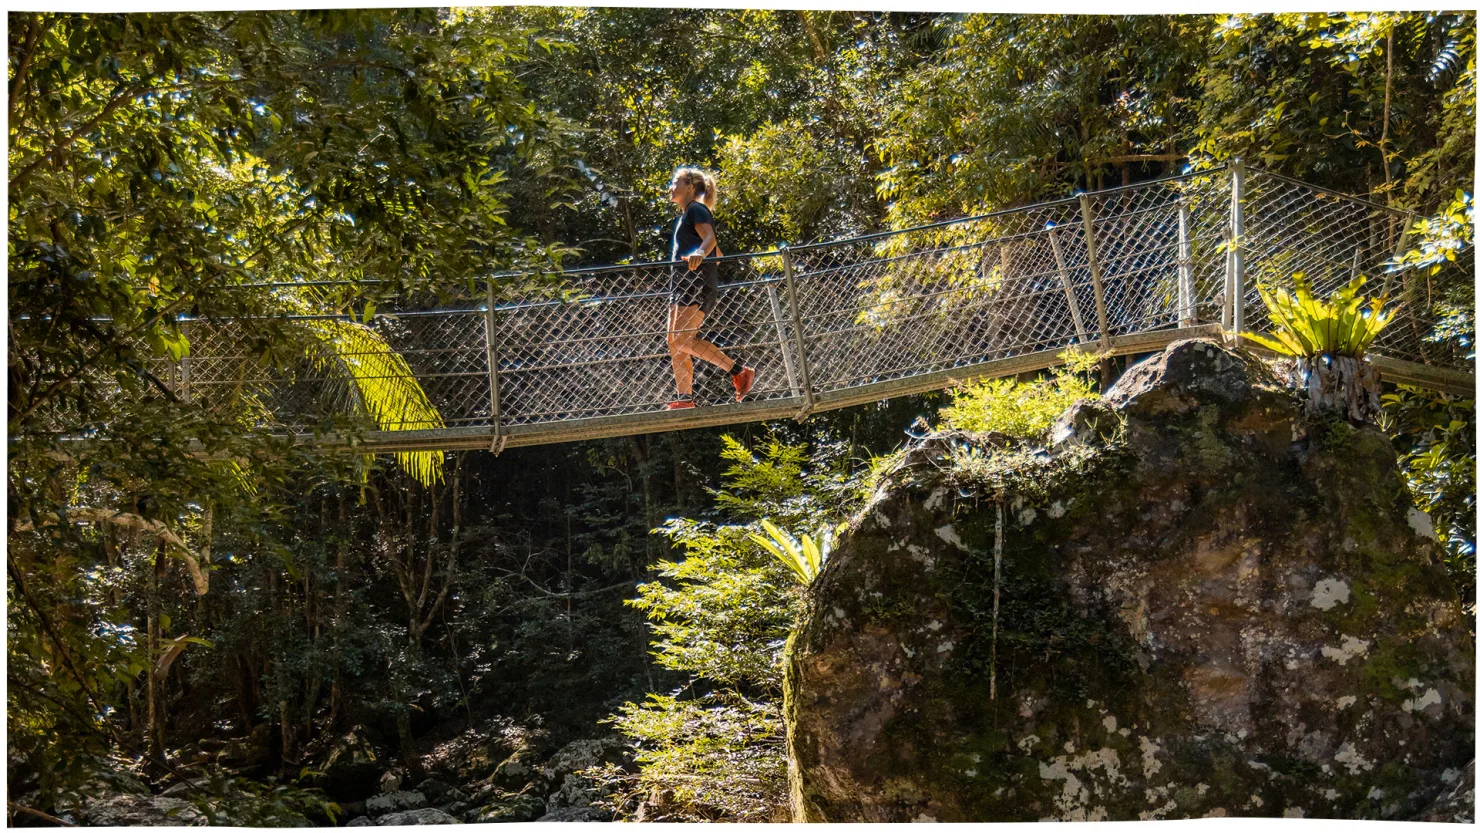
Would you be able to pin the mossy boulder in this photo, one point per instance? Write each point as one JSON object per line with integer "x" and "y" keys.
{"x": 1204, "y": 603}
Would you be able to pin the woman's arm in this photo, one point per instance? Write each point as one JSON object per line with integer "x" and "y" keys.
{"x": 707, "y": 244}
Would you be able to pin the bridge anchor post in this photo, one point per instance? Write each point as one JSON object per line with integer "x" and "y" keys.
{"x": 1186, "y": 306}
{"x": 1058, "y": 257}
{"x": 786, "y": 360}
{"x": 490, "y": 343}
{"x": 808, "y": 399}
{"x": 1087, "y": 216}
{"x": 1233, "y": 293}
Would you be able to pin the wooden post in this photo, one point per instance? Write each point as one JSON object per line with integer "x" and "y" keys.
{"x": 490, "y": 343}
{"x": 1234, "y": 291}
{"x": 786, "y": 360}
{"x": 1186, "y": 306}
{"x": 1058, "y": 258}
{"x": 1094, "y": 271}
{"x": 808, "y": 399}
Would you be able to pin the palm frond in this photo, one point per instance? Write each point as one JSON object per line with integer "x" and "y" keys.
{"x": 383, "y": 385}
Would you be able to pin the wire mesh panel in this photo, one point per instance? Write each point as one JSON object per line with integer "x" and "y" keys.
{"x": 848, "y": 314}
{"x": 603, "y": 350}
{"x": 334, "y": 366}
{"x": 897, "y": 305}
{"x": 1010, "y": 283}
{"x": 1156, "y": 248}
{"x": 1296, "y": 229}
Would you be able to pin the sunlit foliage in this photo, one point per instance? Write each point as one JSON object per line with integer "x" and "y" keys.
{"x": 1306, "y": 326}
{"x": 1025, "y": 410}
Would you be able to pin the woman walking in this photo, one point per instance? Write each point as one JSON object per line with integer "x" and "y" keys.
{"x": 692, "y": 291}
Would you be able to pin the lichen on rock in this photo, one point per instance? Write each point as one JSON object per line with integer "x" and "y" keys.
{"x": 1210, "y": 604}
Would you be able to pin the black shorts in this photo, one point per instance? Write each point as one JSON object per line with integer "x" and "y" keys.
{"x": 690, "y": 288}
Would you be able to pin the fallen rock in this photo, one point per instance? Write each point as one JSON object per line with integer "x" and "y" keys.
{"x": 132, "y": 810}
{"x": 425, "y": 815}
{"x": 351, "y": 766}
{"x": 517, "y": 770}
{"x": 395, "y": 802}
{"x": 433, "y": 789}
{"x": 573, "y": 814}
{"x": 511, "y": 807}
{"x": 248, "y": 753}
{"x": 1210, "y": 604}
{"x": 565, "y": 767}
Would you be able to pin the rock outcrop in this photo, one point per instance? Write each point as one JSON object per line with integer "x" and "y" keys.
{"x": 1203, "y": 603}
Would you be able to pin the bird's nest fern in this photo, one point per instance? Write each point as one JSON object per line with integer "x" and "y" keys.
{"x": 1306, "y": 327}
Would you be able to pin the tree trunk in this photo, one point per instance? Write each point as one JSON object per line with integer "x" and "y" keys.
{"x": 336, "y": 627}
{"x": 152, "y": 680}
{"x": 408, "y": 745}
{"x": 287, "y": 723}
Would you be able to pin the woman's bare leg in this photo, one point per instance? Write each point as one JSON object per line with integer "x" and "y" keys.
{"x": 683, "y": 337}
{"x": 683, "y": 364}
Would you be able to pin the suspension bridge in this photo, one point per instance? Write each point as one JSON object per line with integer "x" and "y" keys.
{"x": 827, "y": 325}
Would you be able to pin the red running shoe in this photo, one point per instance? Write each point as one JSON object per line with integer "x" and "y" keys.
{"x": 743, "y": 381}
{"x": 679, "y": 404}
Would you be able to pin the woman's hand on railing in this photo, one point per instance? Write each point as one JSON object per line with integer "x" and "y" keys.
{"x": 693, "y": 261}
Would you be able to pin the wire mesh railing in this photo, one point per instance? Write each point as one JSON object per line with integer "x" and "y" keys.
{"x": 821, "y": 320}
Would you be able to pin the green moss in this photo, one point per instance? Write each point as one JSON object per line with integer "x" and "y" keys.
{"x": 1211, "y": 448}
{"x": 1032, "y": 474}
{"x": 1388, "y": 666}
{"x": 881, "y": 607}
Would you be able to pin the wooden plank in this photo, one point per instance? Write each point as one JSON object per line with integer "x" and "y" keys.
{"x": 1443, "y": 379}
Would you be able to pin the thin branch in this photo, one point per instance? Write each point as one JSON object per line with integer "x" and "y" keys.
{"x": 451, "y": 574}
{"x": 579, "y": 595}
{"x": 128, "y": 520}
{"x": 1387, "y": 109}
{"x": 35, "y": 30}
{"x": 118, "y": 101}
{"x": 46, "y": 817}
{"x": 1140, "y": 157}
{"x": 360, "y": 63}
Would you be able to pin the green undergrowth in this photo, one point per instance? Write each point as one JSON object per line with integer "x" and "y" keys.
{"x": 1022, "y": 409}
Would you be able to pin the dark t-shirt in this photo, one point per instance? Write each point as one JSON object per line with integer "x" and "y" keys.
{"x": 686, "y": 238}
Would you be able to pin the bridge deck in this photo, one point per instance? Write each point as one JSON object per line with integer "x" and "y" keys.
{"x": 459, "y": 439}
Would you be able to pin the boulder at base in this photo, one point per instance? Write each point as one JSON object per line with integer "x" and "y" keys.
{"x": 1209, "y": 604}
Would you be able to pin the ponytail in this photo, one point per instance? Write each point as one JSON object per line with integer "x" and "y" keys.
{"x": 711, "y": 191}
{"x": 705, "y": 188}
